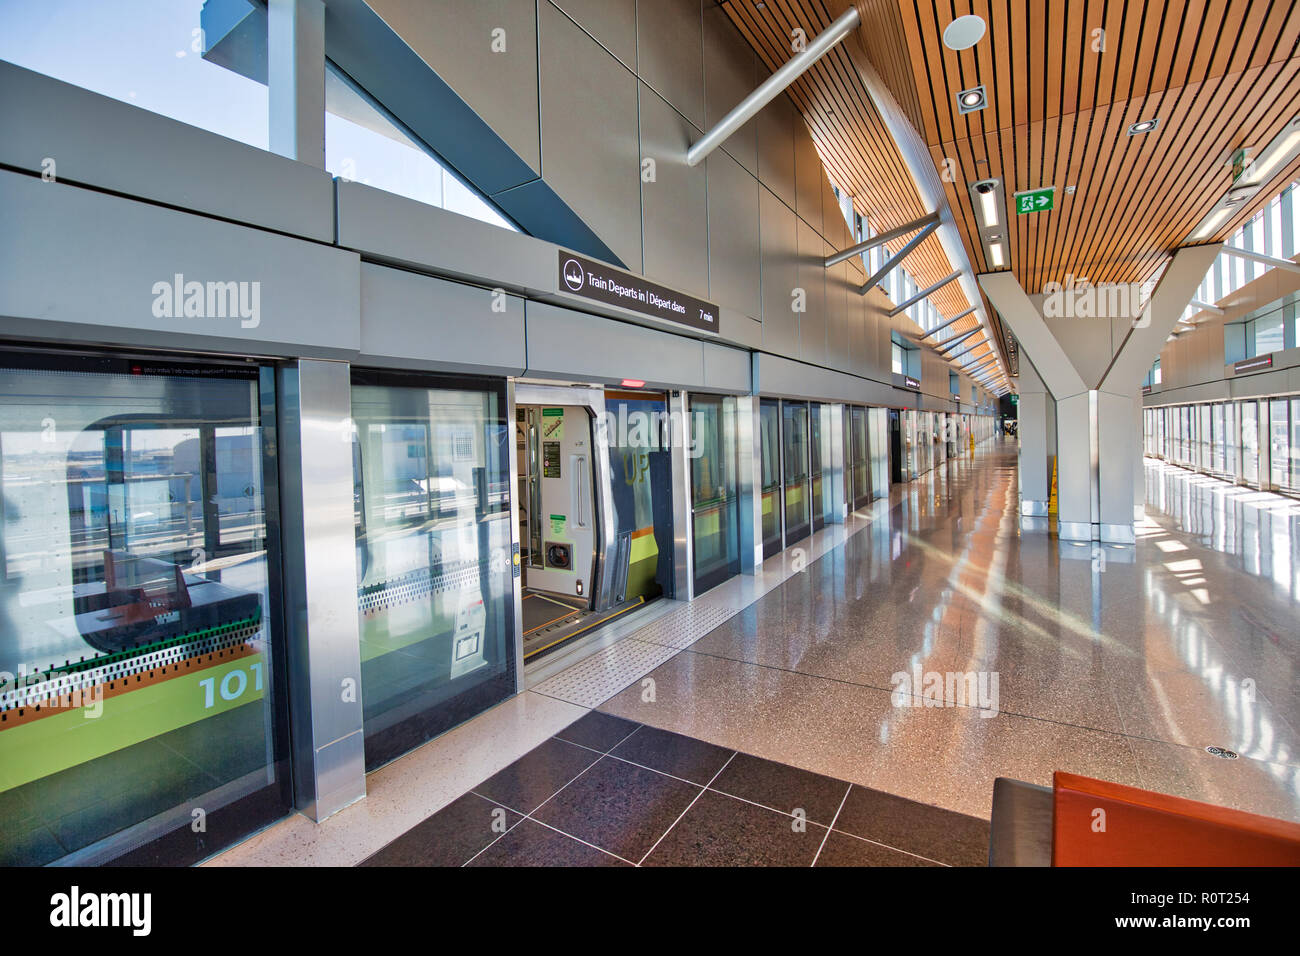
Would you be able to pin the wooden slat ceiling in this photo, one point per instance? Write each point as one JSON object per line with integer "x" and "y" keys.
{"x": 1219, "y": 75}
{"x": 856, "y": 148}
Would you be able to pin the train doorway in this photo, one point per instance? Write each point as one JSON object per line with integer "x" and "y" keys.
{"x": 594, "y": 481}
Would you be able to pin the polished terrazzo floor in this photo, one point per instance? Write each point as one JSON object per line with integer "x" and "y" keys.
{"x": 1123, "y": 663}
{"x": 608, "y": 792}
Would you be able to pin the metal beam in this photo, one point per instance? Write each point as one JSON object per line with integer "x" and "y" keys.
{"x": 1273, "y": 261}
{"x": 968, "y": 349}
{"x": 980, "y": 368}
{"x": 955, "y": 318}
{"x": 773, "y": 86}
{"x": 951, "y": 343}
{"x": 897, "y": 260}
{"x": 923, "y": 294}
{"x": 1206, "y": 307}
{"x": 881, "y": 239}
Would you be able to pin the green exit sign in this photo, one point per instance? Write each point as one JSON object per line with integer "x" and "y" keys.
{"x": 1035, "y": 200}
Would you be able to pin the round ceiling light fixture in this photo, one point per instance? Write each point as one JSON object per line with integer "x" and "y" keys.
{"x": 1146, "y": 126}
{"x": 964, "y": 32}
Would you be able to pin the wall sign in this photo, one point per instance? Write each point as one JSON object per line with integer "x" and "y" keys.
{"x": 1256, "y": 364}
{"x": 603, "y": 283}
{"x": 913, "y": 383}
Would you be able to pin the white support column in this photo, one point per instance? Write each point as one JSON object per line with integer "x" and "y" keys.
{"x": 295, "y": 61}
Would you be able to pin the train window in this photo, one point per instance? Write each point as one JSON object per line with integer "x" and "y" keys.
{"x": 435, "y": 590}
{"x": 141, "y": 696}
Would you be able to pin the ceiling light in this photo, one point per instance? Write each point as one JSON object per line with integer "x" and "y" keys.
{"x": 972, "y": 100}
{"x": 995, "y": 253}
{"x": 1146, "y": 126}
{"x": 1211, "y": 224}
{"x": 987, "y": 190}
{"x": 633, "y": 383}
{"x": 1280, "y": 152}
{"x": 964, "y": 32}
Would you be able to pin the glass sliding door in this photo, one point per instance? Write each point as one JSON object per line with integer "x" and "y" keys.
{"x": 1279, "y": 444}
{"x": 715, "y": 497}
{"x": 815, "y": 459}
{"x": 435, "y": 590}
{"x": 794, "y": 437}
{"x": 877, "y": 420}
{"x": 139, "y": 609}
{"x": 859, "y": 464}
{"x": 1250, "y": 442}
{"x": 769, "y": 423}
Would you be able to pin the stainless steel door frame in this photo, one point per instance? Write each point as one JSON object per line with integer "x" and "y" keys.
{"x": 516, "y": 572}
{"x": 320, "y": 585}
{"x": 683, "y": 510}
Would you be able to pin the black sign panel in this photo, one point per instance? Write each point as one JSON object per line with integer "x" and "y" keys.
{"x": 1256, "y": 364}
{"x": 603, "y": 283}
{"x": 912, "y": 383}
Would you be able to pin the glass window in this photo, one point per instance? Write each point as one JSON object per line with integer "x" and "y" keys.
{"x": 896, "y": 357}
{"x": 144, "y": 52}
{"x": 770, "y": 454}
{"x": 794, "y": 433}
{"x": 1250, "y": 441}
{"x": 715, "y": 498}
{"x": 363, "y": 144}
{"x": 640, "y": 465}
{"x": 435, "y": 591}
{"x": 1279, "y": 443}
{"x": 138, "y": 638}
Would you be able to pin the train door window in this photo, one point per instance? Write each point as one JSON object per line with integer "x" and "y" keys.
{"x": 770, "y": 450}
{"x": 715, "y": 496}
{"x": 139, "y": 623}
{"x": 794, "y": 434}
{"x": 641, "y": 480}
{"x": 435, "y": 589}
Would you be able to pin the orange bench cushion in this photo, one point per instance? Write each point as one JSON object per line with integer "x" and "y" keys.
{"x": 1142, "y": 828}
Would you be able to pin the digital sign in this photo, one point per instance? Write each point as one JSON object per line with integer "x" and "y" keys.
{"x": 603, "y": 283}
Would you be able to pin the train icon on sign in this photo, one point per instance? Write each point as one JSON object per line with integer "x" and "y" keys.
{"x": 574, "y": 275}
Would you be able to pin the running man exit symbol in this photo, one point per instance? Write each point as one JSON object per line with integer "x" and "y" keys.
{"x": 1035, "y": 200}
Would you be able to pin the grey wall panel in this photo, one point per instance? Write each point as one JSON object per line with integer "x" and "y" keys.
{"x": 570, "y": 345}
{"x": 776, "y": 147}
{"x": 430, "y": 323}
{"x": 611, "y": 22}
{"x": 735, "y": 252}
{"x": 384, "y": 225}
{"x": 780, "y": 243}
{"x": 730, "y": 74}
{"x": 91, "y": 260}
{"x": 98, "y": 141}
{"x": 860, "y": 344}
{"x": 812, "y": 279}
{"x": 809, "y": 177}
{"x": 455, "y": 40}
{"x": 780, "y": 376}
{"x": 589, "y": 133}
{"x": 670, "y": 53}
{"x": 727, "y": 370}
{"x": 740, "y": 329}
{"x": 675, "y": 203}
{"x": 837, "y": 308}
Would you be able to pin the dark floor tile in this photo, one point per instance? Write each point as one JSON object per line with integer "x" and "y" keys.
{"x": 535, "y": 776}
{"x": 844, "y": 850}
{"x": 782, "y": 787}
{"x": 619, "y": 807}
{"x": 721, "y": 831}
{"x": 449, "y": 837}
{"x": 531, "y": 844}
{"x": 939, "y": 834}
{"x": 597, "y": 731}
{"x": 680, "y": 756}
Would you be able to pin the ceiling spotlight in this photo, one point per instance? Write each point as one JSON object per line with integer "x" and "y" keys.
{"x": 1145, "y": 126}
{"x": 995, "y": 253}
{"x": 972, "y": 100}
{"x": 963, "y": 33}
{"x": 987, "y": 190}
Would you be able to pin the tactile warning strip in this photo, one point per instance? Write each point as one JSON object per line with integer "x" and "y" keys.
{"x": 596, "y": 679}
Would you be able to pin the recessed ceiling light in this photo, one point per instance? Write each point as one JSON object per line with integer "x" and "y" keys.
{"x": 968, "y": 101}
{"x": 1145, "y": 126}
{"x": 964, "y": 32}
